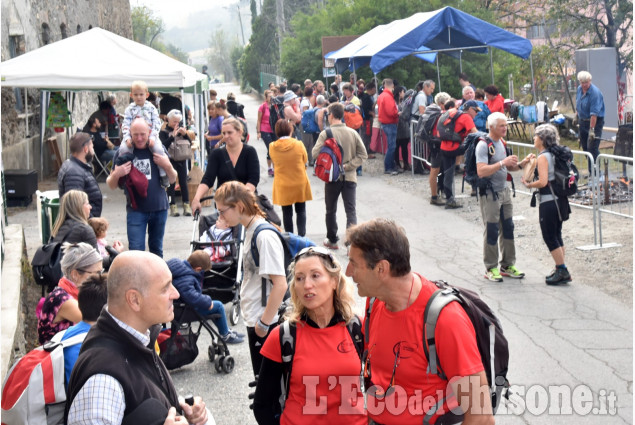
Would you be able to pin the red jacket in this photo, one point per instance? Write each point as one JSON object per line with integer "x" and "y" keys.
{"x": 388, "y": 112}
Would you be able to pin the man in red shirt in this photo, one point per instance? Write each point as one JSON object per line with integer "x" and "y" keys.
{"x": 450, "y": 149}
{"x": 388, "y": 115}
{"x": 379, "y": 263}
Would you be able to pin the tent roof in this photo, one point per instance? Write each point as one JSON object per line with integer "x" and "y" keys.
{"x": 446, "y": 28}
{"x": 117, "y": 62}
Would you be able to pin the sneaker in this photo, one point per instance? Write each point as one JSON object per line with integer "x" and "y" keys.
{"x": 165, "y": 181}
{"x": 493, "y": 275}
{"x": 512, "y": 272}
{"x": 187, "y": 210}
{"x": 391, "y": 172}
{"x": 231, "y": 338}
{"x": 452, "y": 205}
{"x": 174, "y": 212}
{"x": 236, "y": 334}
{"x": 560, "y": 276}
{"x": 270, "y": 172}
{"x": 330, "y": 245}
{"x": 437, "y": 201}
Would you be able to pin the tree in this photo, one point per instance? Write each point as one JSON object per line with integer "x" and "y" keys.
{"x": 219, "y": 56}
{"x": 254, "y": 11}
{"x": 145, "y": 26}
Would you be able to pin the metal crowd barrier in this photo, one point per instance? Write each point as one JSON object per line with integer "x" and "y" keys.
{"x": 418, "y": 149}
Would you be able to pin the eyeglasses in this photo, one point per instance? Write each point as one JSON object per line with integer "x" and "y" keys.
{"x": 365, "y": 377}
{"x": 91, "y": 271}
{"x": 321, "y": 251}
{"x": 221, "y": 213}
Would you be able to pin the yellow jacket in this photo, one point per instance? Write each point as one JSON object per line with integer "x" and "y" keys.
{"x": 290, "y": 182}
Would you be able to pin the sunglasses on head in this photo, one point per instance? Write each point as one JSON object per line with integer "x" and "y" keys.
{"x": 317, "y": 250}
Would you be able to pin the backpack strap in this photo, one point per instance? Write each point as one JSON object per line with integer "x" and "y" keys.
{"x": 256, "y": 255}
{"x": 354, "y": 328}
{"x": 369, "y": 308}
{"x": 287, "y": 350}
{"x": 437, "y": 302}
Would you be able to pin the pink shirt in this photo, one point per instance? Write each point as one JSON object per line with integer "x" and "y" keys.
{"x": 264, "y": 121}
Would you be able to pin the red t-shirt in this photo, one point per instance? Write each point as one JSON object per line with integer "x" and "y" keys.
{"x": 416, "y": 389}
{"x": 497, "y": 104}
{"x": 265, "y": 127}
{"x": 388, "y": 113}
{"x": 463, "y": 125}
{"x": 324, "y": 387}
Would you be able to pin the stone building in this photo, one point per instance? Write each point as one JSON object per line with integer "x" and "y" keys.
{"x": 27, "y": 25}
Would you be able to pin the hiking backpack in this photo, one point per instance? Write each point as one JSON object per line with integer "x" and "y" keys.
{"x": 291, "y": 245}
{"x": 482, "y": 184}
{"x": 492, "y": 344}
{"x": 309, "y": 124}
{"x": 34, "y": 393}
{"x": 353, "y": 116}
{"x": 328, "y": 164}
{"x": 566, "y": 173}
{"x": 276, "y": 112}
{"x": 287, "y": 348}
{"x": 406, "y": 105}
{"x": 445, "y": 128}
{"x": 426, "y": 124}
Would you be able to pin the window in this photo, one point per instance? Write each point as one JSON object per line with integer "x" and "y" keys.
{"x": 46, "y": 34}
{"x": 79, "y": 28}
{"x": 63, "y": 30}
{"x": 538, "y": 31}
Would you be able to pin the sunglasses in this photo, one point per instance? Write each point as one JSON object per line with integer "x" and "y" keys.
{"x": 365, "y": 376}
{"x": 318, "y": 250}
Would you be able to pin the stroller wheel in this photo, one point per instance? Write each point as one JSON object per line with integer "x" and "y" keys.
{"x": 211, "y": 353}
{"x": 217, "y": 363}
{"x": 228, "y": 364}
{"x": 234, "y": 314}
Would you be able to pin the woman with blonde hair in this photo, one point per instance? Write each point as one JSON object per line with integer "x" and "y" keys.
{"x": 264, "y": 281}
{"x": 323, "y": 305}
{"x": 291, "y": 187}
{"x": 71, "y": 224}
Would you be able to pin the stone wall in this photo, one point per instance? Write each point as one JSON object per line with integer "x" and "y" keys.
{"x": 27, "y": 25}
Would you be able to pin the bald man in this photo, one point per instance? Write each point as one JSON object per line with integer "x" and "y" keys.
{"x": 148, "y": 212}
{"x": 118, "y": 375}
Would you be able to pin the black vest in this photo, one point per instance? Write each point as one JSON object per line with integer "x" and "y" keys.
{"x": 110, "y": 350}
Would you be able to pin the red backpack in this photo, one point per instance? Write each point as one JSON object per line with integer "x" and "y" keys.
{"x": 328, "y": 164}
{"x": 353, "y": 116}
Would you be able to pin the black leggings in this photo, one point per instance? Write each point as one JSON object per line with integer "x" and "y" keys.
{"x": 181, "y": 170}
{"x": 550, "y": 225}
{"x": 403, "y": 145}
{"x": 287, "y": 217}
{"x": 254, "y": 351}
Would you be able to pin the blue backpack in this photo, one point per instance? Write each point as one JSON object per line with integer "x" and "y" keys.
{"x": 291, "y": 244}
{"x": 309, "y": 124}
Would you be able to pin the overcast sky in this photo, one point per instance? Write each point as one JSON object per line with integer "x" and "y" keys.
{"x": 175, "y": 13}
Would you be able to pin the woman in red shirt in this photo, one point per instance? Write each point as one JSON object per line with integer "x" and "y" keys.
{"x": 265, "y": 132}
{"x": 495, "y": 101}
{"x": 324, "y": 382}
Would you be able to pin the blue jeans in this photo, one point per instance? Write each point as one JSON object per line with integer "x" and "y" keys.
{"x": 154, "y": 222}
{"x": 391, "y": 137}
{"x": 221, "y": 320}
{"x": 108, "y": 155}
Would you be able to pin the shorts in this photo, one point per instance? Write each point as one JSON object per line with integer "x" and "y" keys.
{"x": 435, "y": 158}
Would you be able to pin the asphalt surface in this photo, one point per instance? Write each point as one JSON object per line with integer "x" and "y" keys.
{"x": 575, "y": 339}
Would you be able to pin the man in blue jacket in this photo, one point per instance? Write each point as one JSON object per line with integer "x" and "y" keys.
{"x": 187, "y": 278}
{"x": 590, "y": 109}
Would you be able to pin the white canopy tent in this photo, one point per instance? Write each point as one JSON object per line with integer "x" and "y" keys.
{"x": 64, "y": 66}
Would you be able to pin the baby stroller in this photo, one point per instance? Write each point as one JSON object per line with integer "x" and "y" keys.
{"x": 178, "y": 345}
{"x": 222, "y": 281}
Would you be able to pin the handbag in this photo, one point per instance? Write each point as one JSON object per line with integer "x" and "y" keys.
{"x": 263, "y": 202}
{"x": 179, "y": 348}
{"x": 180, "y": 149}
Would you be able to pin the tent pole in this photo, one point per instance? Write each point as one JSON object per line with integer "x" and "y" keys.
{"x": 491, "y": 62}
{"x": 26, "y": 116}
{"x": 533, "y": 86}
{"x": 183, "y": 107}
{"x": 438, "y": 73}
{"x": 43, "y": 111}
{"x": 461, "y": 61}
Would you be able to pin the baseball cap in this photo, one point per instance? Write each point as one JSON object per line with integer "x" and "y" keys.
{"x": 471, "y": 104}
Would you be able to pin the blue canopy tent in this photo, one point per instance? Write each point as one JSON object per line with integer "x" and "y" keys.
{"x": 445, "y": 30}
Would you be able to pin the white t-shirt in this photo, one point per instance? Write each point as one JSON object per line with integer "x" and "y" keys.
{"x": 305, "y": 104}
{"x": 419, "y": 100}
{"x": 271, "y": 263}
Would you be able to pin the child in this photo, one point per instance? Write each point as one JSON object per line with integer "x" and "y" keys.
{"x": 141, "y": 107}
{"x": 217, "y": 233}
{"x": 100, "y": 227}
{"x": 187, "y": 278}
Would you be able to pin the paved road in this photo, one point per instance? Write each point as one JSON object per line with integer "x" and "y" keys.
{"x": 575, "y": 337}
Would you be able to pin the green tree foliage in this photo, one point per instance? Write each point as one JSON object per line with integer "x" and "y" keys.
{"x": 147, "y": 29}
{"x": 254, "y": 11}
{"x": 221, "y": 50}
{"x": 262, "y": 47}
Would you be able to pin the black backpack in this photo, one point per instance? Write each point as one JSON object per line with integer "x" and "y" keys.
{"x": 425, "y": 126}
{"x": 406, "y": 111}
{"x": 471, "y": 174}
{"x": 445, "y": 126}
{"x": 276, "y": 112}
{"x": 566, "y": 173}
{"x": 46, "y": 265}
{"x": 493, "y": 352}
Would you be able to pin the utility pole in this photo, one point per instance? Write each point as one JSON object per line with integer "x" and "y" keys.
{"x": 240, "y": 19}
{"x": 281, "y": 25}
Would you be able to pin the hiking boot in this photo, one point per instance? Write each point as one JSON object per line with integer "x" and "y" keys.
{"x": 174, "y": 212}
{"x": 330, "y": 245}
{"x": 452, "y": 205}
{"x": 187, "y": 210}
{"x": 512, "y": 272}
{"x": 493, "y": 275}
{"x": 560, "y": 276}
{"x": 437, "y": 201}
{"x": 165, "y": 181}
{"x": 231, "y": 338}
